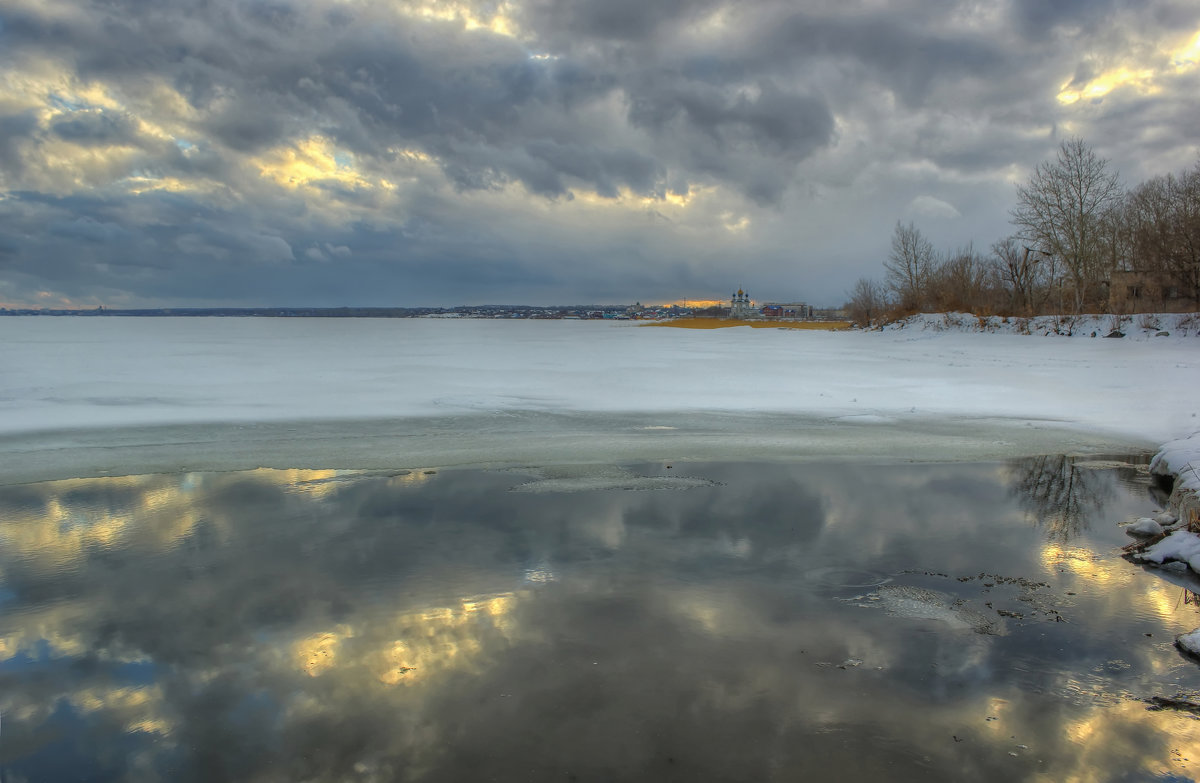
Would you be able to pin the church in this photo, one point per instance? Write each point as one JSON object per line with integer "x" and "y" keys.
{"x": 740, "y": 307}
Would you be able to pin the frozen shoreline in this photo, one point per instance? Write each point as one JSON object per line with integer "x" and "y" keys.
{"x": 102, "y": 396}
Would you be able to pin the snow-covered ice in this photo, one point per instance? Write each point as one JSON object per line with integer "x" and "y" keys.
{"x": 99, "y": 395}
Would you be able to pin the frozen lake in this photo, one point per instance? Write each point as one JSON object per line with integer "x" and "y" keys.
{"x": 96, "y": 396}
{"x": 763, "y": 621}
{"x": 331, "y": 549}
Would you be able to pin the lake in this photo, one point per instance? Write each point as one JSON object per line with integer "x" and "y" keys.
{"x": 654, "y": 621}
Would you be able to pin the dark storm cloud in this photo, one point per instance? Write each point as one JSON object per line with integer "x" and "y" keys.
{"x": 772, "y": 110}
{"x": 1042, "y": 19}
{"x": 619, "y": 20}
{"x": 95, "y": 128}
{"x": 14, "y": 130}
{"x": 491, "y": 114}
{"x": 733, "y": 133}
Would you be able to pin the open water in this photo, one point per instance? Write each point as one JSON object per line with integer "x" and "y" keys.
{"x": 656, "y": 622}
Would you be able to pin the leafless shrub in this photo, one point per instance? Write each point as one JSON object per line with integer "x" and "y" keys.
{"x": 1065, "y": 324}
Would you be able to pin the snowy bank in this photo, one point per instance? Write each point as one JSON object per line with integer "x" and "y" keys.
{"x": 1146, "y": 326}
{"x": 1180, "y": 459}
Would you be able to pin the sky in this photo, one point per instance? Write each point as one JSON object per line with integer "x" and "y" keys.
{"x": 350, "y": 153}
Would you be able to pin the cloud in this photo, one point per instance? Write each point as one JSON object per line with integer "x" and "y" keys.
{"x": 230, "y": 130}
{"x": 930, "y": 207}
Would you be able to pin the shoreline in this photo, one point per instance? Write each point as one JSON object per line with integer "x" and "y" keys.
{"x": 727, "y": 323}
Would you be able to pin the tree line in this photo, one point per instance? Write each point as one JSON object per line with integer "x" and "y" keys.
{"x": 1081, "y": 243}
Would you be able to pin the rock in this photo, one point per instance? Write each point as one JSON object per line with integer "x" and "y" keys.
{"x": 1163, "y": 334}
{"x": 1115, "y": 333}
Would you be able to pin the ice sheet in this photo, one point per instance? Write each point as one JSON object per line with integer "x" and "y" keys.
{"x": 105, "y": 394}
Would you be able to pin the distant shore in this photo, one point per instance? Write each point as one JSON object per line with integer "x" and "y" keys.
{"x": 723, "y": 323}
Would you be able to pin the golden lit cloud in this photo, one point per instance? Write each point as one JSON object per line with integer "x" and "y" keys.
{"x": 1187, "y": 56}
{"x": 686, "y": 302}
{"x": 1144, "y": 79}
{"x": 309, "y": 161}
{"x": 1141, "y": 80}
{"x": 500, "y": 21}
{"x": 735, "y": 224}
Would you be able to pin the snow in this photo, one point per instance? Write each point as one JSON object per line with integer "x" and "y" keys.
{"x": 1180, "y": 458}
{"x": 1144, "y": 527}
{"x": 1189, "y": 642}
{"x": 1181, "y": 546}
{"x": 1133, "y": 328}
{"x": 111, "y": 394}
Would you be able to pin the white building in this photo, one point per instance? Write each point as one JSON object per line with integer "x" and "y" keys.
{"x": 740, "y": 306}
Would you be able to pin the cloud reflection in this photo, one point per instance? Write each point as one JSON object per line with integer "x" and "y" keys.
{"x": 321, "y": 626}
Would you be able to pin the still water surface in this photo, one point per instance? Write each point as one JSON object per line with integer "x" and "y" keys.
{"x": 726, "y": 622}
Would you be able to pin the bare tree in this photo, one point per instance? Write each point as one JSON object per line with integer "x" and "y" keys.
{"x": 1164, "y": 219}
{"x": 1058, "y": 494}
{"x": 960, "y": 281}
{"x": 910, "y": 266}
{"x": 1059, "y": 213}
{"x": 1185, "y": 262}
{"x": 1023, "y": 274}
{"x": 1012, "y": 267}
{"x": 867, "y": 302}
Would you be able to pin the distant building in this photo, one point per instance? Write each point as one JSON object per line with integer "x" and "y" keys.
{"x": 740, "y": 306}
{"x": 1144, "y": 290}
{"x": 789, "y": 310}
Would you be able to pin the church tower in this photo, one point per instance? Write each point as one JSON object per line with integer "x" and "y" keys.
{"x": 739, "y": 305}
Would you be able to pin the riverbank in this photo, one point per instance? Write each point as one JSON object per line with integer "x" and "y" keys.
{"x": 1144, "y": 326}
{"x": 726, "y": 323}
{"x": 1180, "y": 459}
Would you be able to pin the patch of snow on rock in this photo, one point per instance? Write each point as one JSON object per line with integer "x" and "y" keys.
{"x": 1189, "y": 642}
{"x": 1180, "y": 545}
{"x": 1144, "y": 527}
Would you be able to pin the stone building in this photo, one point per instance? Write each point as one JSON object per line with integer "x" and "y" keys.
{"x": 1144, "y": 290}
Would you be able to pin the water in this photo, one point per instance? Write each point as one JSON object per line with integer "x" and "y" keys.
{"x": 644, "y": 622}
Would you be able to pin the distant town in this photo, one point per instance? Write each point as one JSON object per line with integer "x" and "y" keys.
{"x": 739, "y": 307}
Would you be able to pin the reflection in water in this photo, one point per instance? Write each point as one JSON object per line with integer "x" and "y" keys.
{"x": 302, "y": 625}
{"x": 1059, "y": 494}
